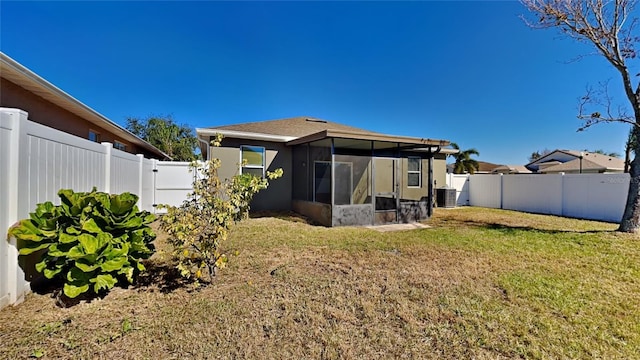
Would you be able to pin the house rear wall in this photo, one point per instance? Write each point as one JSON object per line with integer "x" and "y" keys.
{"x": 278, "y": 195}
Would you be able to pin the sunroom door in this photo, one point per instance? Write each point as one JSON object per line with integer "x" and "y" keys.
{"x": 386, "y": 190}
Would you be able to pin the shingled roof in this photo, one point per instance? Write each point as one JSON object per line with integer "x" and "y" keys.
{"x": 295, "y": 127}
{"x": 590, "y": 162}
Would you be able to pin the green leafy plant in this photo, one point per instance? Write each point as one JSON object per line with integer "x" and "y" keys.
{"x": 199, "y": 226}
{"x": 91, "y": 241}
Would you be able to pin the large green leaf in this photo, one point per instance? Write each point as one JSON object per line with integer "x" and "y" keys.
{"x": 123, "y": 203}
{"x": 103, "y": 199}
{"x": 59, "y": 249}
{"x": 104, "y": 281}
{"x": 140, "y": 266}
{"x": 50, "y": 273}
{"x": 26, "y": 230}
{"x": 128, "y": 273}
{"x": 114, "y": 264}
{"x": 91, "y": 226}
{"x": 43, "y": 209}
{"x": 83, "y": 265}
{"x": 133, "y": 223}
{"x": 112, "y": 252}
{"x": 76, "y": 252}
{"x": 148, "y": 217}
{"x": 75, "y": 275}
{"x": 41, "y": 265}
{"x": 90, "y": 244}
{"x": 73, "y": 291}
{"x": 30, "y": 248}
{"x": 72, "y": 231}
{"x": 67, "y": 239}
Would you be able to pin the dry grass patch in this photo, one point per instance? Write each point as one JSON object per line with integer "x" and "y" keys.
{"x": 480, "y": 284}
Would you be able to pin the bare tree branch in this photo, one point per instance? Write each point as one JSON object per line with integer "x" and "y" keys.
{"x": 586, "y": 21}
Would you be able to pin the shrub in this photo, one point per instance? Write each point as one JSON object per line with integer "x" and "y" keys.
{"x": 91, "y": 241}
{"x": 198, "y": 227}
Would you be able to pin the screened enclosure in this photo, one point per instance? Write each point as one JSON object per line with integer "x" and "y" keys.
{"x": 350, "y": 180}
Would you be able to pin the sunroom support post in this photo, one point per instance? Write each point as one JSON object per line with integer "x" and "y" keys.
{"x": 373, "y": 181}
{"x": 396, "y": 181}
{"x": 333, "y": 174}
{"x": 430, "y": 186}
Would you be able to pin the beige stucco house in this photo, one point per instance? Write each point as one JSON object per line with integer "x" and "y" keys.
{"x": 576, "y": 162}
{"x": 333, "y": 173}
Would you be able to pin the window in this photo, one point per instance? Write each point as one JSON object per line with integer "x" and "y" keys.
{"x": 118, "y": 145}
{"x": 252, "y": 160}
{"x": 414, "y": 172}
{"x": 94, "y": 136}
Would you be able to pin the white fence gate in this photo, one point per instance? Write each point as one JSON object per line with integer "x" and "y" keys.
{"x": 460, "y": 182}
{"x": 587, "y": 196}
{"x": 36, "y": 161}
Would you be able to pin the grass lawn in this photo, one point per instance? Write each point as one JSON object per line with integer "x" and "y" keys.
{"x": 481, "y": 283}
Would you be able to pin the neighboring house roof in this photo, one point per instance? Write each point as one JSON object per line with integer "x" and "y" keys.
{"x": 569, "y": 160}
{"x": 486, "y": 167}
{"x": 588, "y": 165}
{"x": 483, "y": 167}
{"x": 303, "y": 129}
{"x": 511, "y": 169}
{"x": 16, "y": 73}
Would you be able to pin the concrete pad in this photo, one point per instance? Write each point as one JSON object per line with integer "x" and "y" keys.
{"x": 398, "y": 227}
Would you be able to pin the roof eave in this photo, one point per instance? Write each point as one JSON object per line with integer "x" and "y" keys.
{"x": 243, "y": 135}
{"x": 25, "y": 77}
{"x": 367, "y": 136}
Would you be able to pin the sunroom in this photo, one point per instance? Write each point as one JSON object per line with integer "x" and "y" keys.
{"x": 348, "y": 178}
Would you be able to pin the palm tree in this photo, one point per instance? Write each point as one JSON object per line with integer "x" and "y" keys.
{"x": 464, "y": 162}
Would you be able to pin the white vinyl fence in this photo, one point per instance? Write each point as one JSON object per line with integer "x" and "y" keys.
{"x": 587, "y": 196}
{"x": 36, "y": 161}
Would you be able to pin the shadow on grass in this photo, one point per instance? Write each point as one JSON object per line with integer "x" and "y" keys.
{"x": 53, "y": 288}
{"x": 514, "y": 228}
{"x": 283, "y": 215}
{"x": 163, "y": 276}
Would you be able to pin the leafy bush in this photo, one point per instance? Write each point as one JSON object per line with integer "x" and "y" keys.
{"x": 198, "y": 227}
{"x": 90, "y": 241}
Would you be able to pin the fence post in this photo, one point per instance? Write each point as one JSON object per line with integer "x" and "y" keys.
{"x": 140, "y": 175}
{"x": 16, "y": 283}
{"x": 107, "y": 166}
{"x": 501, "y": 191}
{"x": 154, "y": 204}
{"x": 562, "y": 179}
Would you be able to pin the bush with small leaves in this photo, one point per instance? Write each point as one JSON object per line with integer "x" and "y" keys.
{"x": 199, "y": 226}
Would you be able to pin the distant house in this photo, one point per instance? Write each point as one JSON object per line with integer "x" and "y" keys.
{"x": 574, "y": 162}
{"x": 511, "y": 169}
{"x": 483, "y": 167}
{"x": 333, "y": 173}
{"x": 21, "y": 88}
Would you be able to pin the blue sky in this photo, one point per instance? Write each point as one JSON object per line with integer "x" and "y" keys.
{"x": 470, "y": 72}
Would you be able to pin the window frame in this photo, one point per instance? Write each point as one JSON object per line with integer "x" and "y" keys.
{"x": 251, "y": 166}
{"x": 419, "y": 172}
{"x": 96, "y": 134}
{"x": 119, "y": 145}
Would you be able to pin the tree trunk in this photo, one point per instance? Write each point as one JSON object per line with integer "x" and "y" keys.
{"x": 627, "y": 157}
{"x": 631, "y": 218}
